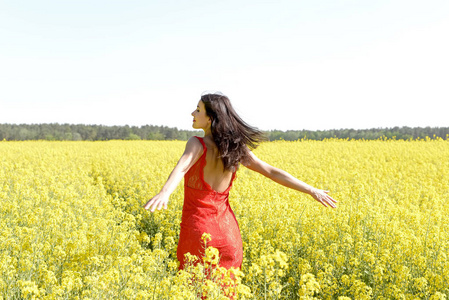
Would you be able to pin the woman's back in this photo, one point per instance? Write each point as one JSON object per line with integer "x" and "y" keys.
{"x": 214, "y": 173}
{"x": 206, "y": 209}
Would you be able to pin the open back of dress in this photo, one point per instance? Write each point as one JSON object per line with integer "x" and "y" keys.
{"x": 208, "y": 211}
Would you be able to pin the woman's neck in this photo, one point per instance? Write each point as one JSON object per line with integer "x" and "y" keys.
{"x": 207, "y": 132}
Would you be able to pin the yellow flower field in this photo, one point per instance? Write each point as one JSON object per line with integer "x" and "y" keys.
{"x": 72, "y": 224}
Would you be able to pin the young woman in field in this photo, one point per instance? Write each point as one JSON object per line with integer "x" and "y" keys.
{"x": 208, "y": 166}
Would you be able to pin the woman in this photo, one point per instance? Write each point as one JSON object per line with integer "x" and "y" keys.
{"x": 209, "y": 165}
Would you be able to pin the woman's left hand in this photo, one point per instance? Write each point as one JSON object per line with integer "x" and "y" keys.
{"x": 323, "y": 197}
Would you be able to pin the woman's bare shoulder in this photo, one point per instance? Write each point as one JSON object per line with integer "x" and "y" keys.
{"x": 194, "y": 145}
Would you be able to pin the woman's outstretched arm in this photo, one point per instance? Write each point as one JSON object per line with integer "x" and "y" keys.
{"x": 191, "y": 154}
{"x": 284, "y": 178}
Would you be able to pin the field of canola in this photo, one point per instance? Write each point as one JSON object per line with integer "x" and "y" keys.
{"x": 72, "y": 224}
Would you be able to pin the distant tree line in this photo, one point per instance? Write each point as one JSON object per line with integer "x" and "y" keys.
{"x": 80, "y": 132}
{"x": 399, "y": 133}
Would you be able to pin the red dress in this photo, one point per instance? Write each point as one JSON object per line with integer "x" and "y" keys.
{"x": 206, "y": 210}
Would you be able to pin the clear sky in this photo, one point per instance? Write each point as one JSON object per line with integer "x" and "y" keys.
{"x": 286, "y": 64}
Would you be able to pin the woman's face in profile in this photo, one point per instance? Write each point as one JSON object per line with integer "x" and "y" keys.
{"x": 200, "y": 118}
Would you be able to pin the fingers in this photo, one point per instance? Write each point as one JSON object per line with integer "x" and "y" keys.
{"x": 156, "y": 202}
{"x": 146, "y": 206}
{"x": 323, "y": 203}
{"x": 329, "y": 200}
{"x": 326, "y": 200}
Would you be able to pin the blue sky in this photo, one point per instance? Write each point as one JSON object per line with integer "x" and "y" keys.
{"x": 284, "y": 64}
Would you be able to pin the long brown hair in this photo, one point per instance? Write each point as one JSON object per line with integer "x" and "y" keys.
{"x": 233, "y": 136}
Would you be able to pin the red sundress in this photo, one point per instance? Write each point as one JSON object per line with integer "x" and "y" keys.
{"x": 206, "y": 210}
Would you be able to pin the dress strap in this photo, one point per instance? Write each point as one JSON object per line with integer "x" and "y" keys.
{"x": 202, "y": 142}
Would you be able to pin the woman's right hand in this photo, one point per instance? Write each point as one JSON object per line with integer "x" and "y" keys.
{"x": 158, "y": 201}
{"x": 191, "y": 154}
